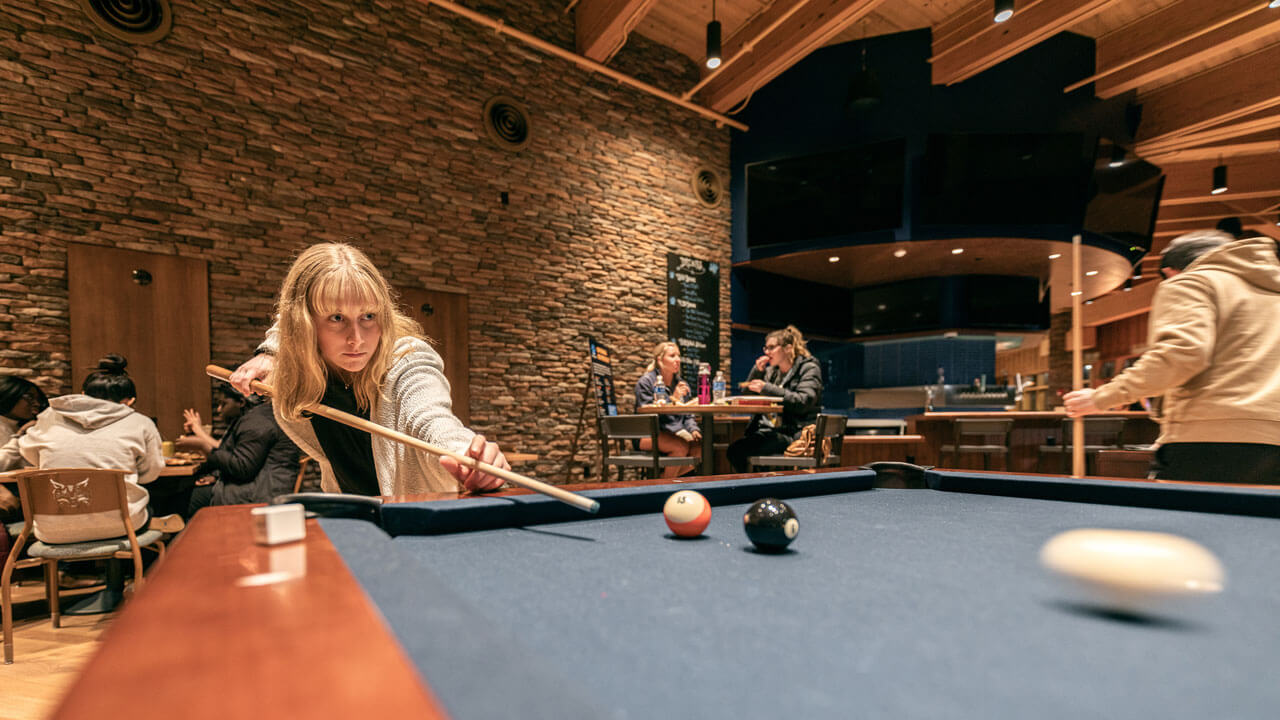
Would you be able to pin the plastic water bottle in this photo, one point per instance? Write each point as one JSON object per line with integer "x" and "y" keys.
{"x": 717, "y": 387}
{"x": 704, "y": 384}
{"x": 660, "y": 394}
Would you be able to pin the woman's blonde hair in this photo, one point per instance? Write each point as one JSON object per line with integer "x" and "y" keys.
{"x": 789, "y": 336}
{"x": 658, "y": 352}
{"x": 321, "y": 280}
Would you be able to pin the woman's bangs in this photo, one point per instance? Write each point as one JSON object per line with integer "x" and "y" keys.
{"x": 336, "y": 291}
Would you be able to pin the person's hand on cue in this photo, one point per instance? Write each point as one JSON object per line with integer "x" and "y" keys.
{"x": 1079, "y": 402}
{"x": 474, "y": 480}
{"x": 257, "y": 367}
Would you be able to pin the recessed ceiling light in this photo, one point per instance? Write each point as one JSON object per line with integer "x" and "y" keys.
{"x": 1274, "y": 4}
{"x": 1077, "y": 292}
{"x": 1091, "y": 273}
{"x": 1055, "y": 256}
{"x": 1088, "y": 302}
{"x": 834, "y": 258}
{"x": 900, "y": 252}
{"x": 881, "y": 306}
{"x": 957, "y": 251}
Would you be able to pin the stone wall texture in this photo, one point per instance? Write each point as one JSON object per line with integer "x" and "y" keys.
{"x": 257, "y": 128}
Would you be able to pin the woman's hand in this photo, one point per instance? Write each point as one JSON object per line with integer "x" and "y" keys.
{"x": 191, "y": 421}
{"x": 697, "y": 435}
{"x": 1080, "y": 402}
{"x": 755, "y": 386}
{"x": 257, "y": 367}
{"x": 762, "y": 362}
{"x": 680, "y": 392}
{"x": 475, "y": 480}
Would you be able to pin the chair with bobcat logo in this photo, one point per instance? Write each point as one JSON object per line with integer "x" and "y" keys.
{"x": 63, "y": 494}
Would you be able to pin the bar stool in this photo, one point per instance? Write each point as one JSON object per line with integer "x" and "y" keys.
{"x": 986, "y": 436}
{"x": 1100, "y": 433}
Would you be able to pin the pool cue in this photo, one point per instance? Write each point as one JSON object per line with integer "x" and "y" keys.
{"x": 578, "y": 501}
{"x": 1077, "y": 368}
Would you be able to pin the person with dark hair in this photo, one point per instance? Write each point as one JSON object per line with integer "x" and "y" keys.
{"x": 98, "y": 428}
{"x": 20, "y": 401}
{"x": 1211, "y": 351}
{"x": 1231, "y": 226}
{"x": 253, "y": 462}
{"x": 790, "y": 373}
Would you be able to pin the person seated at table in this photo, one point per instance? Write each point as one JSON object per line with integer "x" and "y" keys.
{"x": 787, "y": 371}
{"x": 340, "y": 341}
{"x": 20, "y": 402}
{"x": 98, "y": 429}
{"x": 253, "y": 462}
{"x": 678, "y": 434}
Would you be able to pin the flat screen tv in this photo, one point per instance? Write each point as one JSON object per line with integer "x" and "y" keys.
{"x": 831, "y": 194}
{"x": 1124, "y": 200}
{"x": 1005, "y": 179}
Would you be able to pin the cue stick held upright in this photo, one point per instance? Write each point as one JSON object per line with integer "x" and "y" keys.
{"x": 1077, "y": 368}
{"x": 574, "y": 499}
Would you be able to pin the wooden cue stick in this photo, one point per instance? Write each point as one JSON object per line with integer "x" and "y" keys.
{"x": 1077, "y": 368}
{"x": 578, "y": 501}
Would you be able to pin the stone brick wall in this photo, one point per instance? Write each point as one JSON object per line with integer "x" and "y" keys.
{"x": 257, "y": 128}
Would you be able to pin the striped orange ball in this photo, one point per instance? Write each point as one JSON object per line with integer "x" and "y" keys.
{"x": 687, "y": 513}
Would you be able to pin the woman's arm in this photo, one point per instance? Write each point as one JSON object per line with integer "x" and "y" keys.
{"x": 151, "y": 461}
{"x": 644, "y": 389}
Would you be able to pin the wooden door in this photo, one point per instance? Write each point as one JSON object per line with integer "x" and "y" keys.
{"x": 152, "y": 309}
{"x": 444, "y": 316}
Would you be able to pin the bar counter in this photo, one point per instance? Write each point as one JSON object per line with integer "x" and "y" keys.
{"x": 1031, "y": 429}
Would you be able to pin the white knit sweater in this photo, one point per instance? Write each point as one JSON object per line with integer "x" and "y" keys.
{"x": 415, "y": 400}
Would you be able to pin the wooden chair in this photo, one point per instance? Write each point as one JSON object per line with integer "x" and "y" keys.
{"x": 979, "y": 435}
{"x": 829, "y": 428}
{"x": 622, "y": 429}
{"x": 303, "y": 462}
{"x": 68, "y": 492}
{"x": 1100, "y": 433}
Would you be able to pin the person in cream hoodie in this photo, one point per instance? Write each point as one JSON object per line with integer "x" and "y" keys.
{"x": 1212, "y": 349}
{"x": 98, "y": 429}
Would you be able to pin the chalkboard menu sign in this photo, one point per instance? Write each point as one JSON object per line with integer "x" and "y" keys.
{"x": 693, "y": 312}
{"x": 602, "y": 378}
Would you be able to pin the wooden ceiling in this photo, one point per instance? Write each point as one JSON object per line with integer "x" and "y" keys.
{"x": 1207, "y": 72}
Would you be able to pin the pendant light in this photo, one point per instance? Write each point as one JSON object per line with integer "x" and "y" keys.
{"x": 713, "y": 40}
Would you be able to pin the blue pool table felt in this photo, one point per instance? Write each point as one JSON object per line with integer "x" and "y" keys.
{"x": 893, "y": 603}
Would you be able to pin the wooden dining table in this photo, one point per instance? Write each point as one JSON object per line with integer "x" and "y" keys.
{"x": 706, "y": 419}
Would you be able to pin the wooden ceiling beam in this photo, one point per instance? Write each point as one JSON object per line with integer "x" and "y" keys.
{"x": 601, "y": 27}
{"x": 1203, "y": 49}
{"x": 1268, "y": 119}
{"x": 1169, "y": 40}
{"x": 745, "y": 38}
{"x": 1246, "y": 86}
{"x": 959, "y": 55}
{"x": 800, "y": 34}
{"x": 1258, "y": 144}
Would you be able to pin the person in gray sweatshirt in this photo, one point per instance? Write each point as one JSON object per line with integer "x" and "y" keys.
{"x": 98, "y": 428}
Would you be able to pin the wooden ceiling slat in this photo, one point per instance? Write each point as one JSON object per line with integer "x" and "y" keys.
{"x": 1251, "y": 178}
{"x": 1202, "y": 48}
{"x": 602, "y": 26}
{"x": 1240, "y": 88}
{"x": 1160, "y": 31}
{"x": 1269, "y": 146}
{"x": 803, "y": 33}
{"x": 961, "y": 57}
{"x": 1263, "y": 121}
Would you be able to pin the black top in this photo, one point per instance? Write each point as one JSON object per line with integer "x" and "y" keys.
{"x": 255, "y": 460}
{"x": 349, "y": 451}
{"x": 800, "y": 390}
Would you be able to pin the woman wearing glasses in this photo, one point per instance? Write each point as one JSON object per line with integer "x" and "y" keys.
{"x": 786, "y": 370}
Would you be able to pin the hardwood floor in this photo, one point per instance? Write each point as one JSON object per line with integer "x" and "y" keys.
{"x": 46, "y": 659}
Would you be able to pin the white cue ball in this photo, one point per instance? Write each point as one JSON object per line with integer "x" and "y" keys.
{"x": 1131, "y": 570}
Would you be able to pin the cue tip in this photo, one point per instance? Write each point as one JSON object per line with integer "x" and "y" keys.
{"x": 595, "y": 507}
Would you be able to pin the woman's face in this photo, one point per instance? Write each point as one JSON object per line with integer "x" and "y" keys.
{"x": 669, "y": 362}
{"x": 774, "y": 351}
{"x": 347, "y": 336}
{"x": 25, "y": 408}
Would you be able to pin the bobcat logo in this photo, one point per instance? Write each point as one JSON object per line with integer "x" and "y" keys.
{"x": 71, "y": 495}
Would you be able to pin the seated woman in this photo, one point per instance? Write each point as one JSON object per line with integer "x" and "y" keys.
{"x": 253, "y": 462}
{"x": 20, "y": 402}
{"x": 97, "y": 429}
{"x": 786, "y": 370}
{"x": 678, "y": 435}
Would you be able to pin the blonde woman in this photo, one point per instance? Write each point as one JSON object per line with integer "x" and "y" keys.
{"x": 340, "y": 341}
{"x": 678, "y": 435}
{"x": 786, "y": 370}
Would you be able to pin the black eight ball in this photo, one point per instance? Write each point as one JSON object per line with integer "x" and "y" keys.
{"x": 771, "y": 524}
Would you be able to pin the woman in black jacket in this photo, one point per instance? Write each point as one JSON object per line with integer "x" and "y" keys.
{"x": 786, "y": 370}
{"x": 253, "y": 462}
